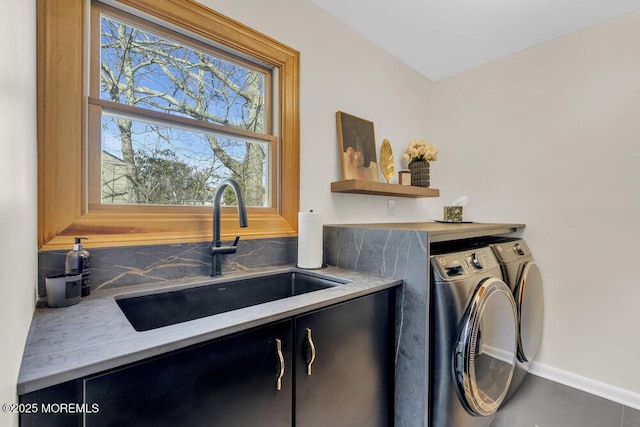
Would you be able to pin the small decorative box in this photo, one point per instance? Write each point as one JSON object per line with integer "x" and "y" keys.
{"x": 453, "y": 213}
{"x": 404, "y": 177}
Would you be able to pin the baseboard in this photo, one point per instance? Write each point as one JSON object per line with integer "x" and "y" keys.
{"x": 615, "y": 394}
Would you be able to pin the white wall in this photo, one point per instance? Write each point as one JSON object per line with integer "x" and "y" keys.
{"x": 340, "y": 70}
{"x": 551, "y": 137}
{"x": 18, "y": 192}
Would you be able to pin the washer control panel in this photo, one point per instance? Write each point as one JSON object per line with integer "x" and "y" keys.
{"x": 511, "y": 251}
{"x": 463, "y": 264}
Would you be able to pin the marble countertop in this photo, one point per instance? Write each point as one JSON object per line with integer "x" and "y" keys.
{"x": 94, "y": 335}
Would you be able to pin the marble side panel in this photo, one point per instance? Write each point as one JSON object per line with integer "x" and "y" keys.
{"x": 402, "y": 254}
{"x": 133, "y": 265}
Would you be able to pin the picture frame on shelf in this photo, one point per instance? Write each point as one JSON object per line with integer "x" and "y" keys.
{"x": 357, "y": 147}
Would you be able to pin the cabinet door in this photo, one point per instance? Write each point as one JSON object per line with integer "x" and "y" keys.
{"x": 231, "y": 381}
{"x": 349, "y": 348}
{"x": 42, "y": 408}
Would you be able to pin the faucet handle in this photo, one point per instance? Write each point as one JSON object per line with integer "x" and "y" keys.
{"x": 223, "y": 250}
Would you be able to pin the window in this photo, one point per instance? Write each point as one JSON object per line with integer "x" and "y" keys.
{"x": 176, "y": 116}
{"x": 179, "y": 97}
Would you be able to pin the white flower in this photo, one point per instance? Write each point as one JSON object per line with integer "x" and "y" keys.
{"x": 421, "y": 149}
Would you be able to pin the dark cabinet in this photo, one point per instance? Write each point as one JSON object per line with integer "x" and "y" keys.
{"x": 331, "y": 367}
{"x": 43, "y": 408}
{"x": 344, "y": 375}
{"x": 242, "y": 380}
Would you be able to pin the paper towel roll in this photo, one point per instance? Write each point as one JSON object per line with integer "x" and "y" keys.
{"x": 309, "y": 239}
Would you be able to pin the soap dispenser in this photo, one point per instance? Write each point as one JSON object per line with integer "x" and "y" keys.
{"x": 78, "y": 261}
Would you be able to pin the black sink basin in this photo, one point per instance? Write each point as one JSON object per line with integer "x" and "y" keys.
{"x": 168, "y": 308}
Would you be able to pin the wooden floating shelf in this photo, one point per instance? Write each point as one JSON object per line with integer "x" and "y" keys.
{"x": 358, "y": 186}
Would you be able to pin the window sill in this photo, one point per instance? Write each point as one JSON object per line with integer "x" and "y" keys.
{"x": 109, "y": 229}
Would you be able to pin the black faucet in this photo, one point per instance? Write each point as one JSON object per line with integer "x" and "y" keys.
{"x": 217, "y": 250}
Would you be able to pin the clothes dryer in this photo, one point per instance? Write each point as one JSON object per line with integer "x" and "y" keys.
{"x": 523, "y": 277}
{"x": 472, "y": 338}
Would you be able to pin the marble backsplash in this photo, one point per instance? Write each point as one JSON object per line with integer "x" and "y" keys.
{"x": 132, "y": 265}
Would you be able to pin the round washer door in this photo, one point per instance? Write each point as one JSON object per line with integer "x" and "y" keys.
{"x": 528, "y": 294}
{"x": 485, "y": 353}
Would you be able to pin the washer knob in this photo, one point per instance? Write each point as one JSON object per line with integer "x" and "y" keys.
{"x": 518, "y": 249}
{"x": 476, "y": 262}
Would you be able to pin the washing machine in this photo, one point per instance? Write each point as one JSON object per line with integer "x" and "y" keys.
{"x": 473, "y": 346}
{"x": 523, "y": 277}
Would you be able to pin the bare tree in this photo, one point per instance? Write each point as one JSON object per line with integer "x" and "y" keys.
{"x": 141, "y": 69}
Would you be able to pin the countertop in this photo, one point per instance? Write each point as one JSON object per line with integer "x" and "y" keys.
{"x": 441, "y": 231}
{"x": 94, "y": 335}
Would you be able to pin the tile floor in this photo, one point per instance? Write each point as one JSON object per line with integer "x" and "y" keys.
{"x": 543, "y": 403}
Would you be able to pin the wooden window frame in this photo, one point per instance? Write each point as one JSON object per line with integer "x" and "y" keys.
{"x": 63, "y": 208}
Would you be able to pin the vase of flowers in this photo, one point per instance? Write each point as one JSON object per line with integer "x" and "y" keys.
{"x": 419, "y": 153}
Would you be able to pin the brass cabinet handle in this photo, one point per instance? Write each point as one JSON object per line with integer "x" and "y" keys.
{"x": 312, "y": 346}
{"x": 281, "y": 361}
